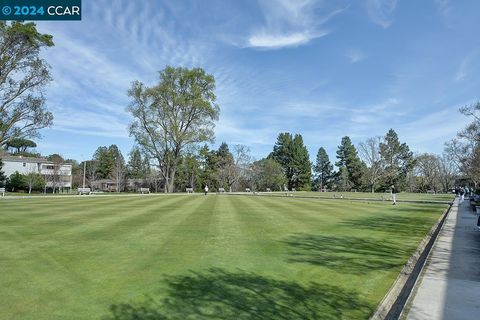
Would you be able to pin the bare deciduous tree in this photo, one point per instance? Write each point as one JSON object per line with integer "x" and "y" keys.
{"x": 370, "y": 154}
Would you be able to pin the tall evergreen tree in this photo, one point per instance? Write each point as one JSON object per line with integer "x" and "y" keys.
{"x": 323, "y": 168}
{"x": 350, "y": 164}
{"x": 292, "y": 154}
{"x": 104, "y": 163}
{"x": 136, "y": 165}
{"x": 398, "y": 161}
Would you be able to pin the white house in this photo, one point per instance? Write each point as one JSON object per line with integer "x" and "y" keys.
{"x": 57, "y": 175}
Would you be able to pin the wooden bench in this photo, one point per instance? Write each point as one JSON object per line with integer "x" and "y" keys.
{"x": 293, "y": 190}
{"x": 189, "y": 190}
{"x": 431, "y": 192}
{"x": 144, "y": 190}
{"x": 81, "y": 191}
{"x": 221, "y": 190}
{"x": 248, "y": 190}
{"x": 2, "y": 192}
{"x": 268, "y": 190}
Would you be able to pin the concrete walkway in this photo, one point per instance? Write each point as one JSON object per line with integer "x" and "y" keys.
{"x": 449, "y": 287}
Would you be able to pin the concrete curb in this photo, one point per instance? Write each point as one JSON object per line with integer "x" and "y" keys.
{"x": 391, "y": 307}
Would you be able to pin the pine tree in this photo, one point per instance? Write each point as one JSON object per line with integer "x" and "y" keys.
{"x": 323, "y": 168}
{"x": 398, "y": 161}
{"x": 104, "y": 163}
{"x": 136, "y": 168}
{"x": 348, "y": 159}
{"x": 292, "y": 154}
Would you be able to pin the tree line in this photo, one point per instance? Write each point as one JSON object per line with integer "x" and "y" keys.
{"x": 173, "y": 121}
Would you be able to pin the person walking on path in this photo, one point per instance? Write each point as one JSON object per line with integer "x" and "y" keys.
{"x": 394, "y": 195}
{"x": 462, "y": 194}
{"x": 206, "y": 189}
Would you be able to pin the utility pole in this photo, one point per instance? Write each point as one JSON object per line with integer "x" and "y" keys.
{"x": 84, "y": 169}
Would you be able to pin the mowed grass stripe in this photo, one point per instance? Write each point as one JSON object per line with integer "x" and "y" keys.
{"x": 297, "y": 212}
{"x": 227, "y": 241}
{"x": 181, "y": 245}
{"x": 263, "y": 226}
{"x": 129, "y": 218}
{"x": 98, "y": 214}
{"x": 38, "y": 281}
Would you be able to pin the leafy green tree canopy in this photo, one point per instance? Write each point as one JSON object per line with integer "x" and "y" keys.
{"x": 20, "y": 145}
{"x": 23, "y": 76}
{"x": 177, "y": 113}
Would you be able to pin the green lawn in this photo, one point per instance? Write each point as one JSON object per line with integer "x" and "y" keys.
{"x": 196, "y": 257}
{"x": 405, "y": 196}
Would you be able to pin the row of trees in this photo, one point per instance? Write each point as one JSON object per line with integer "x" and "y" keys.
{"x": 174, "y": 118}
{"x": 379, "y": 163}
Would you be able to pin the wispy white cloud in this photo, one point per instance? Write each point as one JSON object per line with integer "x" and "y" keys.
{"x": 430, "y": 132}
{"x": 290, "y": 24}
{"x": 465, "y": 65}
{"x": 355, "y": 55}
{"x": 443, "y": 6}
{"x": 381, "y": 11}
{"x": 91, "y": 77}
{"x": 274, "y": 41}
{"x": 461, "y": 72}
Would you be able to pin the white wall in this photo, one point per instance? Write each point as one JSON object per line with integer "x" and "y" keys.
{"x": 9, "y": 167}
{"x": 65, "y": 170}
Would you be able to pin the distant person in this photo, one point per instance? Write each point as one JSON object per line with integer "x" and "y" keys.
{"x": 394, "y": 195}
{"x": 462, "y": 194}
{"x": 285, "y": 189}
{"x": 206, "y": 189}
{"x": 457, "y": 191}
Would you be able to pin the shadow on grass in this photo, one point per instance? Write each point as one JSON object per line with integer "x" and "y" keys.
{"x": 399, "y": 225}
{"x": 345, "y": 254}
{"x": 218, "y": 294}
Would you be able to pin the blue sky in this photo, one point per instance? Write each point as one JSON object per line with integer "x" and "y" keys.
{"x": 324, "y": 69}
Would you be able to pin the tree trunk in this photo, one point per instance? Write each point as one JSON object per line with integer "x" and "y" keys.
{"x": 171, "y": 182}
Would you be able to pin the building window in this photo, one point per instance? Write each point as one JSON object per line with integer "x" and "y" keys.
{"x": 24, "y": 164}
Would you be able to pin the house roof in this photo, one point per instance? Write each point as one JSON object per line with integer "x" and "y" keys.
{"x": 28, "y": 159}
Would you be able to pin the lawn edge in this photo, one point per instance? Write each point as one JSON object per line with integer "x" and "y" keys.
{"x": 394, "y": 301}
